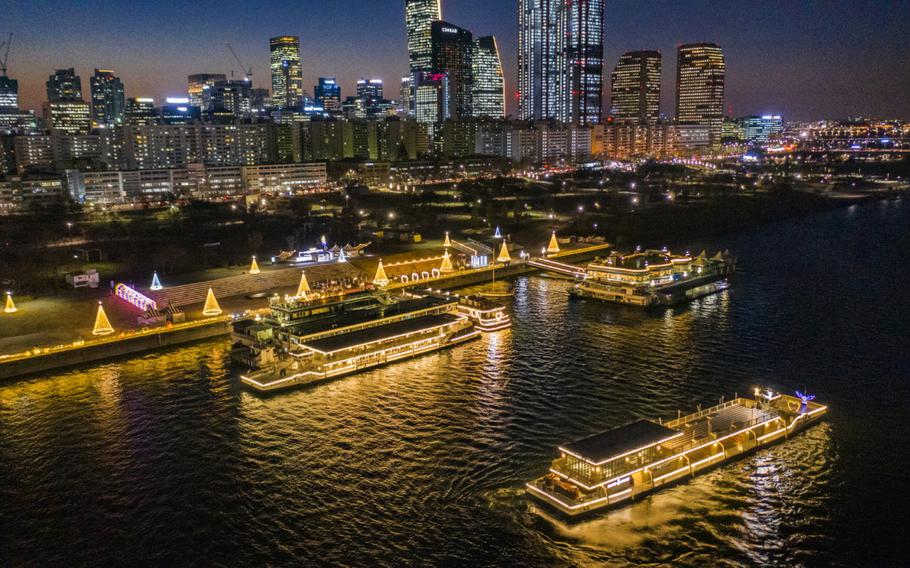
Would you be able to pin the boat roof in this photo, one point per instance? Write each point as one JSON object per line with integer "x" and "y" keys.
{"x": 344, "y": 319}
{"x": 370, "y": 335}
{"x": 617, "y": 442}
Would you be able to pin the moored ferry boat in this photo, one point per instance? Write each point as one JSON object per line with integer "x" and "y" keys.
{"x": 654, "y": 277}
{"x": 618, "y": 465}
{"x": 307, "y": 341}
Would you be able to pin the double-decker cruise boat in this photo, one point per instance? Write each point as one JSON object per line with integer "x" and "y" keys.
{"x": 654, "y": 277}
{"x": 618, "y": 465}
{"x": 307, "y": 341}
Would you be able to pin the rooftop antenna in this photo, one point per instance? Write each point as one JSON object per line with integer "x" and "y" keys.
{"x": 5, "y": 58}
{"x": 247, "y": 71}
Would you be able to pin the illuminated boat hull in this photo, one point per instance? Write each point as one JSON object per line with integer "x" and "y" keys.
{"x": 577, "y": 485}
{"x": 275, "y": 379}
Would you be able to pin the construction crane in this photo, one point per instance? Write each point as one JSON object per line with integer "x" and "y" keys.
{"x": 247, "y": 71}
{"x": 4, "y": 45}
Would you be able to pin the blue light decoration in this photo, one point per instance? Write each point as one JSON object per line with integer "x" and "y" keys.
{"x": 341, "y": 257}
{"x": 134, "y": 297}
{"x": 156, "y": 283}
{"x": 497, "y": 234}
{"x": 806, "y": 398}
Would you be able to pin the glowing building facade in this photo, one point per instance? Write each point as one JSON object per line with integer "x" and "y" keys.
{"x": 635, "y": 88}
{"x": 488, "y": 95}
{"x": 64, "y": 85}
{"x": 328, "y": 94}
{"x": 418, "y": 17}
{"x": 199, "y": 88}
{"x": 560, "y": 60}
{"x": 287, "y": 75}
{"x": 452, "y": 51}
{"x": 108, "y": 101}
{"x": 700, "y": 72}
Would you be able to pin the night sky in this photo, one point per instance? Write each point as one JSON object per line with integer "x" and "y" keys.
{"x": 803, "y": 59}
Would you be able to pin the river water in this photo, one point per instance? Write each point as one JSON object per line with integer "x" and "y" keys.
{"x": 165, "y": 460}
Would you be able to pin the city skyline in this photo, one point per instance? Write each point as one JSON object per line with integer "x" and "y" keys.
{"x": 774, "y": 62}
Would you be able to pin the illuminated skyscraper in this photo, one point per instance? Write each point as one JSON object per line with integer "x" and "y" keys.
{"x": 541, "y": 43}
{"x": 199, "y": 88}
{"x": 328, "y": 94}
{"x": 489, "y": 95}
{"x": 369, "y": 91}
{"x": 700, "y": 73}
{"x": 287, "y": 76}
{"x": 635, "y": 88}
{"x": 233, "y": 97}
{"x": 584, "y": 60}
{"x": 9, "y": 94}
{"x": 560, "y": 60}
{"x": 406, "y": 95}
{"x": 418, "y": 16}
{"x": 108, "y": 101}
{"x": 64, "y": 85}
{"x": 452, "y": 55}
{"x": 432, "y": 105}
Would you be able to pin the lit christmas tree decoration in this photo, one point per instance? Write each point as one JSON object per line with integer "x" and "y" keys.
{"x": 380, "y": 279}
{"x": 553, "y": 246}
{"x": 211, "y": 304}
{"x": 10, "y": 306}
{"x": 102, "y": 324}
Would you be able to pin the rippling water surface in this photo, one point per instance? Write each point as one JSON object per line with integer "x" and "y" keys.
{"x": 165, "y": 459}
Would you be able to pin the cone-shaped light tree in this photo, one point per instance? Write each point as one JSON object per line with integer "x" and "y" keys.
{"x": 254, "y": 268}
{"x": 497, "y": 234}
{"x": 341, "y": 257}
{"x": 156, "y": 283}
{"x": 10, "y": 307}
{"x": 380, "y": 279}
{"x": 504, "y": 254}
{"x": 446, "y": 265}
{"x": 303, "y": 290}
{"x": 211, "y": 307}
{"x": 447, "y": 242}
{"x": 553, "y": 246}
{"x": 102, "y": 324}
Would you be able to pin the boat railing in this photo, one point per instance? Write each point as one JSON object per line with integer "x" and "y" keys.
{"x": 676, "y": 422}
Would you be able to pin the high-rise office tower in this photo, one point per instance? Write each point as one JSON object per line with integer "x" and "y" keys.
{"x": 64, "y": 85}
{"x": 287, "y": 76}
{"x": 108, "y": 101}
{"x": 369, "y": 90}
{"x": 406, "y": 95}
{"x": 560, "y": 60}
{"x": 541, "y": 46}
{"x": 452, "y": 54}
{"x": 489, "y": 95}
{"x": 418, "y": 16}
{"x": 140, "y": 111}
{"x": 635, "y": 88}
{"x": 198, "y": 88}
{"x": 431, "y": 104}
{"x": 9, "y": 94}
{"x": 584, "y": 60}
{"x": 700, "y": 70}
{"x": 328, "y": 94}
{"x": 233, "y": 97}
